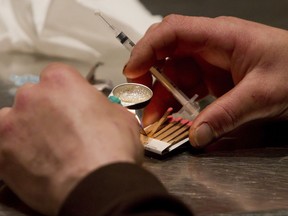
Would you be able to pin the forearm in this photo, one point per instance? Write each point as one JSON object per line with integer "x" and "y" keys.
{"x": 121, "y": 189}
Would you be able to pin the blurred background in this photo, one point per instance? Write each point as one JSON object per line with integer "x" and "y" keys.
{"x": 264, "y": 11}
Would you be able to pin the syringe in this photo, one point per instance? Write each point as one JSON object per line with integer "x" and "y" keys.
{"x": 190, "y": 108}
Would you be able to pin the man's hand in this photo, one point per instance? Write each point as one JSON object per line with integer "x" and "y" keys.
{"x": 57, "y": 132}
{"x": 242, "y": 63}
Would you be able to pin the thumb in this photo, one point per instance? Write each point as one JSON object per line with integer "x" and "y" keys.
{"x": 240, "y": 105}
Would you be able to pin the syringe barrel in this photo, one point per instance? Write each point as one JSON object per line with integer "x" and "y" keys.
{"x": 125, "y": 41}
{"x": 188, "y": 111}
{"x": 178, "y": 94}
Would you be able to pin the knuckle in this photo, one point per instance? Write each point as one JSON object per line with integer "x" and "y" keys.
{"x": 152, "y": 27}
{"x": 23, "y": 95}
{"x": 172, "y": 18}
{"x": 227, "y": 18}
{"x": 176, "y": 21}
{"x": 56, "y": 72}
{"x": 5, "y": 129}
{"x": 173, "y": 21}
{"x": 5, "y": 126}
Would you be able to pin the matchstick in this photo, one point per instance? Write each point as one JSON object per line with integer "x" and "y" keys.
{"x": 171, "y": 123}
{"x": 161, "y": 121}
{"x": 180, "y": 137}
{"x": 186, "y": 126}
{"x": 170, "y": 131}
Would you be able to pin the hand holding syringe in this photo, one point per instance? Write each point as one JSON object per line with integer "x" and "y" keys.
{"x": 190, "y": 108}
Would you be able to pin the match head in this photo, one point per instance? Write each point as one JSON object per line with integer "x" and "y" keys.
{"x": 172, "y": 119}
{"x": 170, "y": 109}
{"x": 184, "y": 121}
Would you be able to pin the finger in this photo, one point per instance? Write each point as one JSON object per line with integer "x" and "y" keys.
{"x": 180, "y": 35}
{"x": 3, "y": 113}
{"x": 248, "y": 101}
{"x": 61, "y": 77}
{"x": 23, "y": 96}
{"x": 4, "y": 125}
{"x": 144, "y": 54}
{"x": 146, "y": 80}
{"x": 4, "y": 110}
{"x": 59, "y": 74}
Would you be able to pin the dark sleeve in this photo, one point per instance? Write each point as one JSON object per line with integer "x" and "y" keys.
{"x": 122, "y": 189}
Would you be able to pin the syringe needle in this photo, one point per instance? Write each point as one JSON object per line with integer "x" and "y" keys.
{"x": 98, "y": 13}
{"x": 120, "y": 35}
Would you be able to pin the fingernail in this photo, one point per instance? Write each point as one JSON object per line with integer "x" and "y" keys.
{"x": 203, "y": 135}
{"x": 124, "y": 67}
